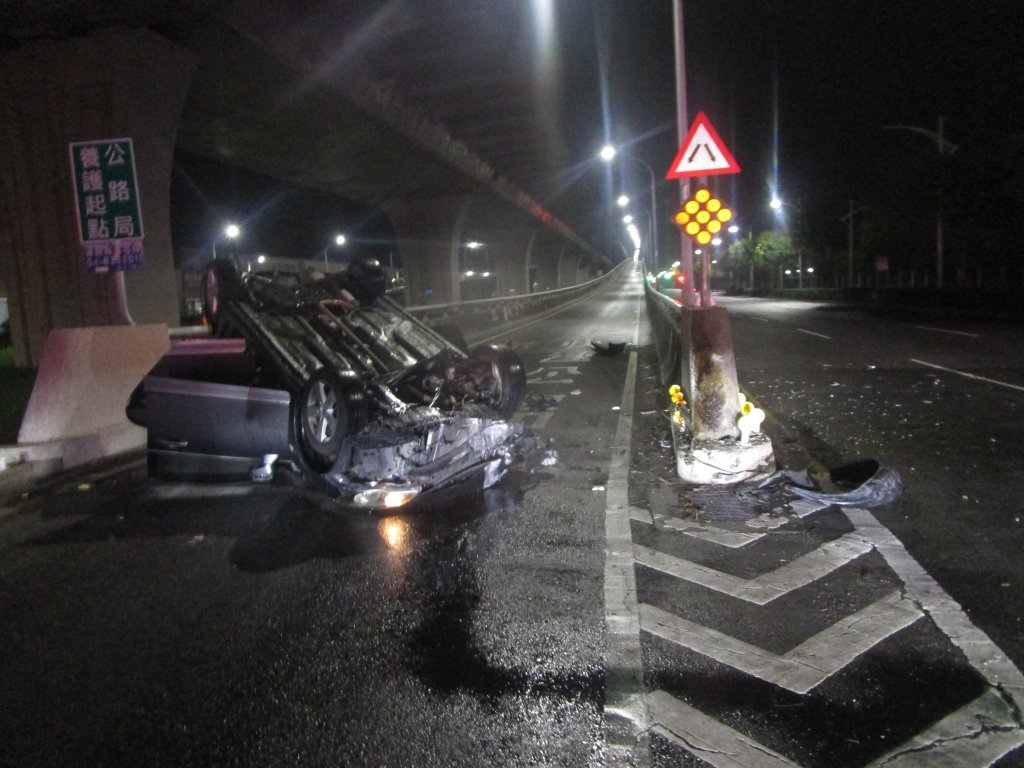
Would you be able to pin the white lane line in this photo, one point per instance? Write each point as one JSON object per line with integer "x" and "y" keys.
{"x": 765, "y": 587}
{"x": 979, "y": 733}
{"x": 946, "y": 330}
{"x": 804, "y": 667}
{"x": 984, "y": 655}
{"x": 710, "y": 740}
{"x": 626, "y": 719}
{"x": 967, "y": 375}
{"x": 812, "y": 333}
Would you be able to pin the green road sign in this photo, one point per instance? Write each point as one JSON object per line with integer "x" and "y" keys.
{"x": 107, "y": 198}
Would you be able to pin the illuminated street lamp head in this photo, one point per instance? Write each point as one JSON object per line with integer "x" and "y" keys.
{"x": 623, "y": 201}
{"x": 776, "y": 204}
{"x": 474, "y": 244}
{"x": 607, "y": 153}
{"x": 340, "y": 240}
{"x": 627, "y": 219}
{"x": 232, "y": 231}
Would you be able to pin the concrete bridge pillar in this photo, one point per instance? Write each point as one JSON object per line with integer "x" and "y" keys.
{"x": 114, "y": 83}
{"x": 546, "y": 265}
{"x": 511, "y": 258}
{"x": 567, "y": 273}
{"x": 584, "y": 270}
{"x": 429, "y": 233}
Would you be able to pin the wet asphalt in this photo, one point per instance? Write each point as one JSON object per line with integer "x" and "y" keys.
{"x": 158, "y": 624}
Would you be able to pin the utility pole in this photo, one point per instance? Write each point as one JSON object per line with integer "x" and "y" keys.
{"x": 848, "y": 218}
{"x": 945, "y": 148}
{"x": 683, "y": 123}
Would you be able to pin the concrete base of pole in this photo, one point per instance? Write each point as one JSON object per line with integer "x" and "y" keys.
{"x": 726, "y": 461}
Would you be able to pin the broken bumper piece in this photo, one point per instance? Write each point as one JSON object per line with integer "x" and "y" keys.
{"x": 381, "y": 472}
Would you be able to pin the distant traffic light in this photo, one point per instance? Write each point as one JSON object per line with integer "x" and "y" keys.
{"x": 702, "y": 216}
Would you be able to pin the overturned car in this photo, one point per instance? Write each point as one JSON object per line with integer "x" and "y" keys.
{"x": 337, "y": 381}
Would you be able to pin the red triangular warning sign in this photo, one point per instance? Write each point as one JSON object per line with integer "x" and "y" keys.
{"x": 703, "y": 153}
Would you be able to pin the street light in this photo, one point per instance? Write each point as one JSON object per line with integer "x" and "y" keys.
{"x": 608, "y": 153}
{"x": 339, "y": 240}
{"x": 231, "y": 232}
{"x": 777, "y": 205}
{"x": 945, "y": 147}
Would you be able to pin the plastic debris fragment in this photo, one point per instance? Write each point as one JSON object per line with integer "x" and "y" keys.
{"x": 869, "y": 482}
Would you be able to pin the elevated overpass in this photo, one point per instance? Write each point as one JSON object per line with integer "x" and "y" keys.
{"x": 311, "y": 96}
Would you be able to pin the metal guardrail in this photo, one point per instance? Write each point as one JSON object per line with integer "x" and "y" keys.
{"x": 496, "y": 311}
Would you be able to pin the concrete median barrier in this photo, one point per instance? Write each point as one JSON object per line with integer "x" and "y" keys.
{"x": 76, "y": 410}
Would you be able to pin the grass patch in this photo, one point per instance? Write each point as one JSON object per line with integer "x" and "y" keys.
{"x": 15, "y": 388}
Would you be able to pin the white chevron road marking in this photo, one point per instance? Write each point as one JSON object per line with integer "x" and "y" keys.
{"x": 979, "y": 733}
{"x": 804, "y": 667}
{"x": 983, "y": 654}
{"x": 767, "y": 586}
{"x": 715, "y": 743}
{"x": 720, "y": 536}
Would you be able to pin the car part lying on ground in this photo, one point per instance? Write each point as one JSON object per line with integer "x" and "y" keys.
{"x": 334, "y": 379}
{"x": 867, "y": 483}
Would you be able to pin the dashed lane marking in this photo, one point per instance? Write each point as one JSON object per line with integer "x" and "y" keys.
{"x": 812, "y": 333}
{"x": 946, "y": 330}
{"x": 968, "y": 375}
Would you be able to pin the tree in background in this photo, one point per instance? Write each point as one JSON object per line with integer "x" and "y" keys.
{"x": 774, "y": 248}
{"x": 742, "y": 255}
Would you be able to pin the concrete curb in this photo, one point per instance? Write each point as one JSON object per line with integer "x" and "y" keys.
{"x": 24, "y": 464}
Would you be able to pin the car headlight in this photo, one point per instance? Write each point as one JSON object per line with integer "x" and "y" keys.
{"x": 386, "y": 496}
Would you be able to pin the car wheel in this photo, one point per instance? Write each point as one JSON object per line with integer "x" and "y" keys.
{"x": 503, "y": 381}
{"x": 328, "y": 409}
{"x": 221, "y": 283}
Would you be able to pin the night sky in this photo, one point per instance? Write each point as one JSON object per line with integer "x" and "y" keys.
{"x": 841, "y": 70}
{"x": 832, "y": 73}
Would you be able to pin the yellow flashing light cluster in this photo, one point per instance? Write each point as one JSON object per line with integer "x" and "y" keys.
{"x": 702, "y": 216}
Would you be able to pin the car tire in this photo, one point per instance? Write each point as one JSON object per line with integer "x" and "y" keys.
{"x": 221, "y": 283}
{"x": 504, "y": 377}
{"x": 328, "y": 409}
